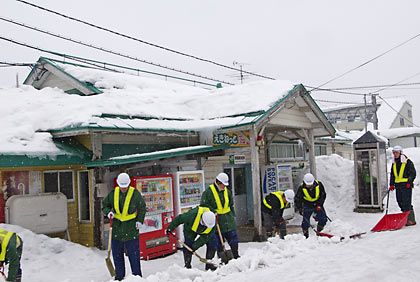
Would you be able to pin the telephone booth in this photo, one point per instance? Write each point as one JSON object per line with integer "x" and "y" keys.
{"x": 370, "y": 172}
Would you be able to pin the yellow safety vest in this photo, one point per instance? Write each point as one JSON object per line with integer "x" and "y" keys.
{"x": 4, "y": 241}
{"x": 279, "y": 195}
{"x": 124, "y": 216}
{"x": 197, "y": 219}
{"x": 220, "y": 209}
{"x": 399, "y": 177}
{"x": 308, "y": 197}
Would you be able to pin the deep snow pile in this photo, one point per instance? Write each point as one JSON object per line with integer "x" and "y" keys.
{"x": 385, "y": 256}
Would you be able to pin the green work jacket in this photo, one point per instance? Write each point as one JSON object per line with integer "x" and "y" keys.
{"x": 188, "y": 220}
{"x": 125, "y": 230}
{"x": 226, "y": 221}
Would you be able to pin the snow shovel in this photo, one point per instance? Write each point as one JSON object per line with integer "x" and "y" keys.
{"x": 226, "y": 255}
{"x": 108, "y": 261}
{"x": 391, "y": 221}
{"x": 203, "y": 260}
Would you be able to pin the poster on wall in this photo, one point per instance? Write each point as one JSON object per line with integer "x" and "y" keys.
{"x": 15, "y": 183}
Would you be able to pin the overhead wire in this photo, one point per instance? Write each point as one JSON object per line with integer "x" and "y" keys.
{"x": 103, "y": 67}
{"x": 143, "y": 41}
{"x": 367, "y": 62}
{"x": 110, "y": 51}
{"x": 401, "y": 115}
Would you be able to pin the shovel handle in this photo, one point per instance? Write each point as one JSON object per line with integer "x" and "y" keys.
{"x": 194, "y": 253}
{"x": 220, "y": 236}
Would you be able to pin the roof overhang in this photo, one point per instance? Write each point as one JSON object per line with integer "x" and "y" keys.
{"x": 136, "y": 158}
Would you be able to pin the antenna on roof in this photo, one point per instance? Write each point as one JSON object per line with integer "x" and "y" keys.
{"x": 241, "y": 75}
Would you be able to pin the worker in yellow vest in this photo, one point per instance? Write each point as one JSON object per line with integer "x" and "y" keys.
{"x": 127, "y": 208}
{"x": 219, "y": 199}
{"x": 309, "y": 199}
{"x": 198, "y": 222}
{"x": 272, "y": 211}
{"x": 11, "y": 246}
{"x": 402, "y": 177}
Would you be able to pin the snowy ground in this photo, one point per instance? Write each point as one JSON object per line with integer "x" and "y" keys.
{"x": 385, "y": 256}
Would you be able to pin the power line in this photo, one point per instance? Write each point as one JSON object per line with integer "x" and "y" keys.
{"x": 397, "y": 111}
{"x": 7, "y": 64}
{"x": 373, "y": 86}
{"x": 335, "y": 91}
{"x": 395, "y": 84}
{"x": 338, "y": 102}
{"x": 102, "y": 63}
{"x": 143, "y": 41}
{"x": 112, "y": 52}
{"x": 367, "y": 62}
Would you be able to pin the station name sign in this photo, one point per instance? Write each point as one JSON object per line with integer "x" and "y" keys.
{"x": 233, "y": 139}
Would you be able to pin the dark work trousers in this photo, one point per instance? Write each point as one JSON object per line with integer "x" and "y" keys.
{"x": 231, "y": 237}
{"x": 187, "y": 242}
{"x": 133, "y": 253}
{"x": 404, "y": 198}
{"x": 308, "y": 211}
{"x": 268, "y": 222}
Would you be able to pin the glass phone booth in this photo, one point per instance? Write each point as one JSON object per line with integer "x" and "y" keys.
{"x": 370, "y": 172}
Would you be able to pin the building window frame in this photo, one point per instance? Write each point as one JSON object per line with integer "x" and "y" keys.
{"x": 59, "y": 184}
{"x": 81, "y": 196}
{"x": 284, "y": 151}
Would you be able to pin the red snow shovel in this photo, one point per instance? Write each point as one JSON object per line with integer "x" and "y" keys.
{"x": 108, "y": 261}
{"x": 391, "y": 221}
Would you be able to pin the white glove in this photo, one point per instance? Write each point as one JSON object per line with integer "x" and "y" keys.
{"x": 110, "y": 215}
{"x": 138, "y": 225}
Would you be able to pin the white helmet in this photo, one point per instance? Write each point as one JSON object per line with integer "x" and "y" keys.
{"x": 308, "y": 179}
{"x": 123, "y": 180}
{"x": 397, "y": 149}
{"x": 208, "y": 219}
{"x": 224, "y": 178}
{"x": 289, "y": 195}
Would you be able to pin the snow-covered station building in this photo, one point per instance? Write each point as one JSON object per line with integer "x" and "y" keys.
{"x": 72, "y": 128}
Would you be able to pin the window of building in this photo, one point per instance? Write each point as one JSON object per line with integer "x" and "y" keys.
{"x": 350, "y": 118}
{"x": 410, "y": 114}
{"x": 320, "y": 149}
{"x": 402, "y": 121}
{"x": 283, "y": 151}
{"x": 59, "y": 181}
{"x": 84, "y": 196}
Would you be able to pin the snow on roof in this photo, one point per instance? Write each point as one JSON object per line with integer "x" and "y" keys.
{"x": 153, "y": 97}
{"x": 26, "y": 111}
{"x": 399, "y": 132}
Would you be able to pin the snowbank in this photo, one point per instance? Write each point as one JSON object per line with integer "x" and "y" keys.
{"x": 385, "y": 256}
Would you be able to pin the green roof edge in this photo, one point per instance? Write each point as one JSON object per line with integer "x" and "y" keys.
{"x": 154, "y": 156}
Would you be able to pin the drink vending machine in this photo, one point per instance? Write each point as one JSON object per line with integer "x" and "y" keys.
{"x": 189, "y": 185}
{"x": 157, "y": 192}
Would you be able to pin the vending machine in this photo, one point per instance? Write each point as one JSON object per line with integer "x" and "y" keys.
{"x": 189, "y": 186}
{"x": 157, "y": 192}
{"x": 278, "y": 177}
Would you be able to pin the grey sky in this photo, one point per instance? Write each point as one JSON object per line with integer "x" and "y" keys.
{"x": 306, "y": 42}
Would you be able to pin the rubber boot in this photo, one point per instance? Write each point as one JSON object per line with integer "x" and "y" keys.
{"x": 411, "y": 219}
{"x": 209, "y": 256}
{"x": 319, "y": 228}
{"x": 306, "y": 233}
{"x": 282, "y": 229}
{"x": 234, "y": 249}
{"x": 187, "y": 260}
{"x": 222, "y": 255}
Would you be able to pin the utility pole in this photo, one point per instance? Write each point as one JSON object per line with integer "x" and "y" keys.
{"x": 364, "y": 97}
{"x": 17, "y": 80}
{"x": 375, "y": 116}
